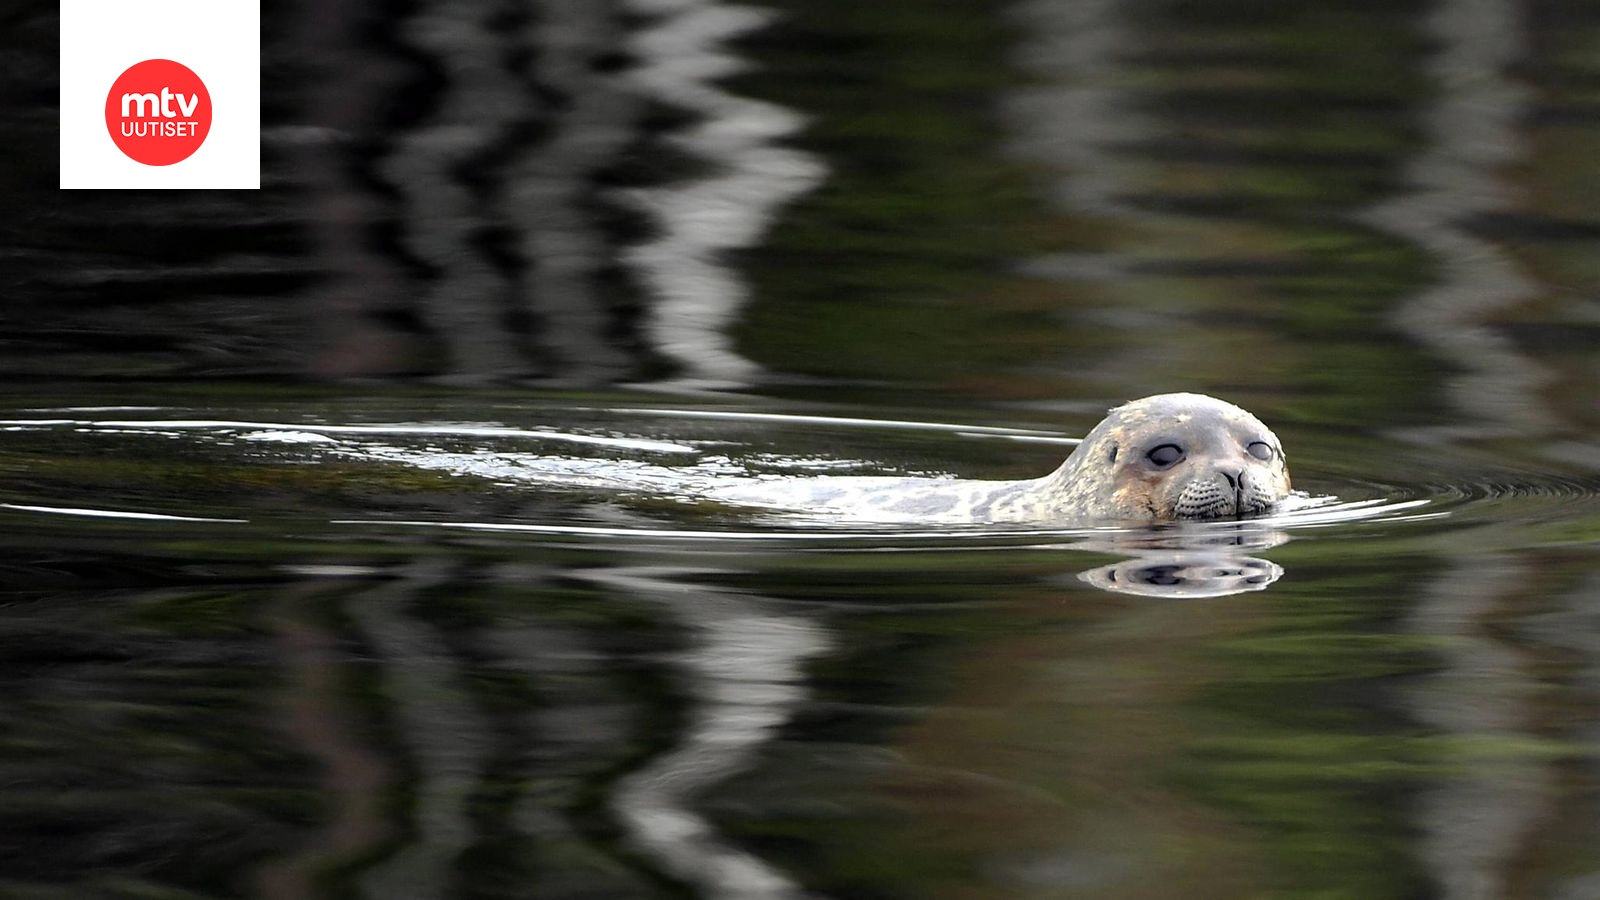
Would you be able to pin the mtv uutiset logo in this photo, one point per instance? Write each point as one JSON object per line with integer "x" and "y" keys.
{"x": 160, "y": 94}
{"x": 158, "y": 127}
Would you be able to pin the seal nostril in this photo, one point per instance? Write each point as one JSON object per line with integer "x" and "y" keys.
{"x": 1233, "y": 478}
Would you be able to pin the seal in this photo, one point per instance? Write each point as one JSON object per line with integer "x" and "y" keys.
{"x": 1163, "y": 458}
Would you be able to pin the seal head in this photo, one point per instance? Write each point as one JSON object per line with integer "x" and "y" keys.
{"x": 1171, "y": 456}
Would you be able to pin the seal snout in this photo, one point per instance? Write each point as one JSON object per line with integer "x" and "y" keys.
{"x": 1209, "y": 497}
{"x": 1234, "y": 477}
{"x": 1225, "y": 491}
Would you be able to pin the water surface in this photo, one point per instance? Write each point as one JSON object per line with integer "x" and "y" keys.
{"x": 358, "y": 536}
{"x": 398, "y": 640}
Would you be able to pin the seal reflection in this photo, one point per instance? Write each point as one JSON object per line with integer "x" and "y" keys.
{"x": 1186, "y": 563}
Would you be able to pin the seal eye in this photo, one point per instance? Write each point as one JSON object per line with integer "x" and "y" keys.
{"x": 1165, "y": 455}
{"x": 1260, "y": 450}
{"x": 1113, "y": 453}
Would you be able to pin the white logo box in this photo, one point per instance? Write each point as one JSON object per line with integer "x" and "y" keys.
{"x": 219, "y": 39}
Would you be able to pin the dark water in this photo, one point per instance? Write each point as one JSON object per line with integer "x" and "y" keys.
{"x": 354, "y": 535}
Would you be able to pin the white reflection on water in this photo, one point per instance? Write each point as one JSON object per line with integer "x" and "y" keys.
{"x": 1475, "y": 822}
{"x": 745, "y": 673}
{"x": 110, "y": 513}
{"x": 683, "y": 52}
{"x": 1472, "y": 137}
{"x": 280, "y": 436}
{"x": 1475, "y": 827}
{"x": 1071, "y": 117}
{"x": 295, "y": 433}
{"x": 796, "y": 419}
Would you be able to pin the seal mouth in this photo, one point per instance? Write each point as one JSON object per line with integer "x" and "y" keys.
{"x": 1220, "y": 497}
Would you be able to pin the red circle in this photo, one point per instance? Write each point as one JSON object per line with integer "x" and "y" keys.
{"x": 169, "y": 112}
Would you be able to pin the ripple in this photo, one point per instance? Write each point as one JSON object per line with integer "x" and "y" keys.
{"x": 1314, "y": 512}
{"x": 976, "y": 431}
{"x": 111, "y": 513}
{"x": 800, "y": 527}
{"x": 1550, "y": 487}
{"x": 303, "y": 430}
{"x": 760, "y": 452}
{"x": 1502, "y": 497}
